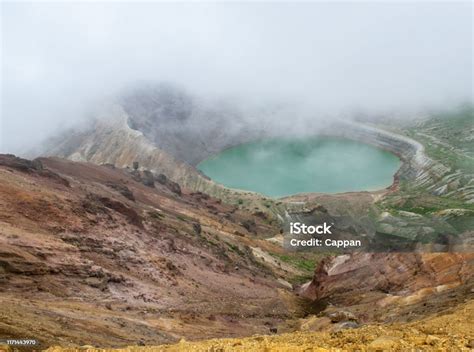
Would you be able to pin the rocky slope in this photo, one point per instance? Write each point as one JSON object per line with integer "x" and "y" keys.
{"x": 98, "y": 255}
{"x": 449, "y": 331}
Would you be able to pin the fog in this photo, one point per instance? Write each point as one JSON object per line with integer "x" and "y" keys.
{"x": 59, "y": 59}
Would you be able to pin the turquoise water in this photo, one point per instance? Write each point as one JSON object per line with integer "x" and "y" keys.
{"x": 281, "y": 167}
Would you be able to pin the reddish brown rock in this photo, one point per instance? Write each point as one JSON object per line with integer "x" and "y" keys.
{"x": 392, "y": 273}
{"x": 159, "y": 257}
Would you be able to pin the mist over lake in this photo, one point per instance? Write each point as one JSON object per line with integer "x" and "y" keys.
{"x": 281, "y": 167}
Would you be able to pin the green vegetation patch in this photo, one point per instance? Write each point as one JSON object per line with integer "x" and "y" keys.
{"x": 302, "y": 261}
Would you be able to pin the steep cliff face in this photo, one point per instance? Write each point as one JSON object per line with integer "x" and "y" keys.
{"x": 110, "y": 140}
{"x": 388, "y": 287}
{"x": 186, "y": 127}
{"x": 435, "y": 176}
{"x": 416, "y": 167}
{"x": 399, "y": 276}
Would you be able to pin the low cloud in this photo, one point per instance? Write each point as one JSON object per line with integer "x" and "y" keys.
{"x": 58, "y": 59}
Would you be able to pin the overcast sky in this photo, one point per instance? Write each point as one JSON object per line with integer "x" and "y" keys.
{"x": 58, "y": 57}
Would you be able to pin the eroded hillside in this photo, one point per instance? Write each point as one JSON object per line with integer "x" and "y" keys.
{"x": 97, "y": 255}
